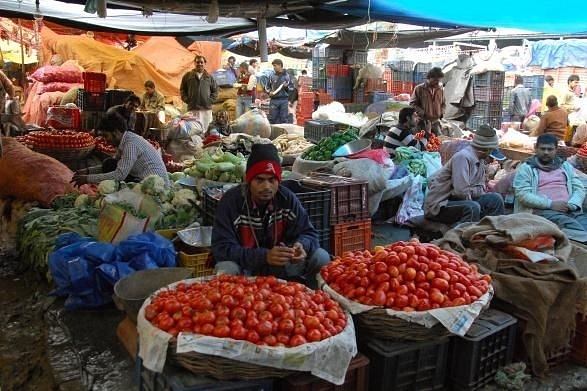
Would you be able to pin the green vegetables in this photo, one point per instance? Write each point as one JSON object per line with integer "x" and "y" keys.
{"x": 219, "y": 166}
{"x": 328, "y": 145}
{"x": 39, "y": 228}
{"x": 411, "y": 158}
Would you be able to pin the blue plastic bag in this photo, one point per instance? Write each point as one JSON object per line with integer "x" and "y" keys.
{"x": 156, "y": 247}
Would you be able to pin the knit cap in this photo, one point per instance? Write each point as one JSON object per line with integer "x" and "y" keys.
{"x": 582, "y": 152}
{"x": 263, "y": 159}
{"x": 485, "y": 138}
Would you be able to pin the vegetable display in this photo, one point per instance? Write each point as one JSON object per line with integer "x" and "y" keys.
{"x": 261, "y": 310}
{"x": 219, "y": 166}
{"x": 328, "y": 145}
{"x": 104, "y": 146}
{"x": 291, "y": 144}
{"x": 57, "y": 139}
{"x": 434, "y": 142}
{"x": 411, "y": 158}
{"x": 406, "y": 276}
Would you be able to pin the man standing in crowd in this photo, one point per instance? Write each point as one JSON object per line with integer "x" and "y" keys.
{"x": 152, "y": 100}
{"x": 568, "y": 101}
{"x": 547, "y": 186}
{"x": 248, "y": 84}
{"x": 278, "y": 90}
{"x": 402, "y": 135}
{"x": 261, "y": 228}
{"x": 549, "y": 89}
{"x": 456, "y": 192}
{"x": 554, "y": 121}
{"x": 135, "y": 157}
{"x": 253, "y": 66}
{"x": 428, "y": 100}
{"x": 520, "y": 99}
{"x": 231, "y": 67}
{"x": 127, "y": 111}
{"x": 199, "y": 90}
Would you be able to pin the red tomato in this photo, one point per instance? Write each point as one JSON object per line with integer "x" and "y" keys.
{"x": 297, "y": 340}
{"x": 172, "y": 306}
{"x": 264, "y": 328}
{"x": 314, "y": 335}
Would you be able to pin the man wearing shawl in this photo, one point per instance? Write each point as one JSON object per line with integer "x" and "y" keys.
{"x": 547, "y": 186}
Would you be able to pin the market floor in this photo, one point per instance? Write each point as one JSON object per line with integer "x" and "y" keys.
{"x": 43, "y": 347}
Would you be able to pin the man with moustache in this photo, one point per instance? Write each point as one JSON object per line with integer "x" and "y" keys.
{"x": 261, "y": 228}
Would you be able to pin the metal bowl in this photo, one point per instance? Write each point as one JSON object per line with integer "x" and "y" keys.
{"x": 196, "y": 237}
{"x": 352, "y": 147}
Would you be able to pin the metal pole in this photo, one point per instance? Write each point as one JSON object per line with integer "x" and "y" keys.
{"x": 22, "y": 66}
{"x": 262, "y": 27}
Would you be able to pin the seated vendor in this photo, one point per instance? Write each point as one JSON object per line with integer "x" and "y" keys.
{"x": 127, "y": 111}
{"x": 135, "y": 156}
{"x": 456, "y": 192}
{"x": 261, "y": 228}
{"x": 152, "y": 100}
{"x": 548, "y": 186}
{"x": 220, "y": 126}
{"x": 402, "y": 135}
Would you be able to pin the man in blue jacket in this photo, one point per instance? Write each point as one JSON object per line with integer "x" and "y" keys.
{"x": 261, "y": 228}
{"x": 278, "y": 89}
{"x": 547, "y": 186}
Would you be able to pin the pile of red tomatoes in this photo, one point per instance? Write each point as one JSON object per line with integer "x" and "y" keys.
{"x": 261, "y": 310}
{"x": 406, "y": 276}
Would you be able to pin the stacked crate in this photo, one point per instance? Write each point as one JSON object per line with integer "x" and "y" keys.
{"x": 322, "y": 56}
{"x": 305, "y": 107}
{"x": 536, "y": 85}
{"x": 339, "y": 82}
{"x": 350, "y": 223}
{"x": 116, "y": 97}
{"x": 421, "y": 71}
{"x": 92, "y": 99}
{"x": 402, "y": 77}
{"x": 355, "y": 57}
{"x": 488, "y": 90}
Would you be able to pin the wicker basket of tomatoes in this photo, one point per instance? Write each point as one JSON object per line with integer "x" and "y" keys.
{"x": 63, "y": 145}
{"x": 237, "y": 327}
{"x": 408, "y": 290}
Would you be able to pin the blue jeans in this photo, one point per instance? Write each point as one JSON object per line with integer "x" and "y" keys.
{"x": 574, "y": 224}
{"x": 306, "y": 270}
{"x": 278, "y": 111}
{"x": 243, "y": 103}
{"x": 470, "y": 211}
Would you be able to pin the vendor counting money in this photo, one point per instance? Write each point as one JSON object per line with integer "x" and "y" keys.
{"x": 261, "y": 228}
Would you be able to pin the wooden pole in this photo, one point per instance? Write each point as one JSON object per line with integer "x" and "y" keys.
{"x": 262, "y": 27}
{"x": 22, "y": 65}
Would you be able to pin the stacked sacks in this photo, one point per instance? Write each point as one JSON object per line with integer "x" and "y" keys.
{"x": 226, "y": 100}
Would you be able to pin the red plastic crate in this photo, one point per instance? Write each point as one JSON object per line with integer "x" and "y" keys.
{"x": 324, "y": 98}
{"x": 336, "y": 70}
{"x": 61, "y": 117}
{"x": 357, "y": 379}
{"x": 374, "y": 85}
{"x": 349, "y": 199}
{"x": 388, "y": 77}
{"x": 94, "y": 82}
{"x": 401, "y": 87}
{"x": 351, "y": 236}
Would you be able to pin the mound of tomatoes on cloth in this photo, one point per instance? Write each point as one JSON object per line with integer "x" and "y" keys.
{"x": 57, "y": 139}
{"x": 104, "y": 146}
{"x": 406, "y": 276}
{"x": 261, "y": 310}
{"x": 434, "y": 142}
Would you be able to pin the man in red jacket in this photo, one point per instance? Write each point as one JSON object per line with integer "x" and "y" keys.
{"x": 247, "y": 84}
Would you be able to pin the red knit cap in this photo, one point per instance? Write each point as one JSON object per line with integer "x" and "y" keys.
{"x": 582, "y": 152}
{"x": 264, "y": 159}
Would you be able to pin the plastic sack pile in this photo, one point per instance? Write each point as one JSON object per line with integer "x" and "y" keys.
{"x": 86, "y": 270}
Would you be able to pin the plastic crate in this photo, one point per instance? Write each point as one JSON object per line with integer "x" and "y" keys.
{"x": 489, "y": 78}
{"x": 338, "y": 70}
{"x": 579, "y": 346}
{"x": 94, "y": 82}
{"x": 356, "y": 379}
{"x": 373, "y": 97}
{"x": 90, "y": 119}
{"x": 91, "y": 101}
{"x": 61, "y": 117}
{"x": 316, "y": 129}
{"x": 354, "y": 107}
{"x": 359, "y": 96}
{"x": 348, "y": 198}
{"x": 324, "y": 238}
{"x": 196, "y": 259}
{"x": 326, "y": 52}
{"x": 116, "y": 97}
{"x": 488, "y": 93}
{"x": 403, "y": 66}
{"x": 355, "y": 57}
{"x": 533, "y": 81}
{"x": 407, "y": 366}
{"x": 475, "y": 121}
{"x": 351, "y": 236}
{"x": 401, "y": 87}
{"x": 422, "y": 67}
{"x": 419, "y": 77}
{"x": 319, "y": 83}
{"x": 487, "y": 109}
{"x": 315, "y": 202}
{"x": 487, "y": 346}
{"x": 178, "y": 379}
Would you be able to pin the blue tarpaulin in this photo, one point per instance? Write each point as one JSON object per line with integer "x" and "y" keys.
{"x": 549, "y": 53}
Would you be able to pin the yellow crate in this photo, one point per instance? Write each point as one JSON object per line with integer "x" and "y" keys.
{"x": 197, "y": 262}
{"x": 168, "y": 233}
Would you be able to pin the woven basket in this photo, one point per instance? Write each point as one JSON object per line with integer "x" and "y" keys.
{"x": 66, "y": 154}
{"x": 379, "y": 324}
{"x": 221, "y": 368}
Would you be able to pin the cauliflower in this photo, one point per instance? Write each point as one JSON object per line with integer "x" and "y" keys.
{"x": 166, "y": 207}
{"x": 107, "y": 186}
{"x": 81, "y": 200}
{"x": 153, "y": 184}
{"x": 184, "y": 197}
